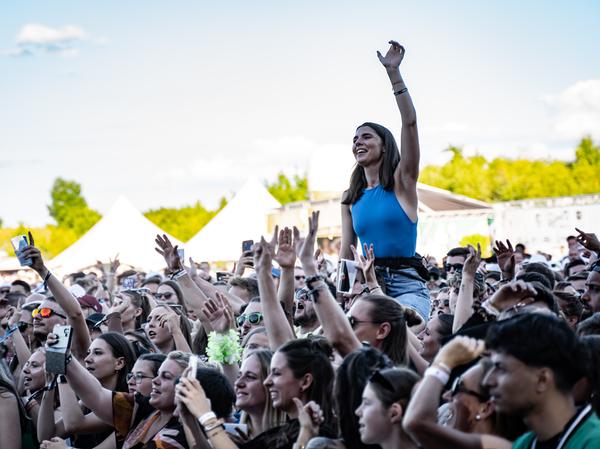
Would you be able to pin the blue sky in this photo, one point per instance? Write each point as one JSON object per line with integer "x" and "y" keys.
{"x": 173, "y": 102}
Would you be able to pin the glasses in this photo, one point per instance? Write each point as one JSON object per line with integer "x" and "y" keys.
{"x": 252, "y": 318}
{"x": 299, "y": 277}
{"x": 301, "y": 294}
{"x": 451, "y": 266}
{"x": 138, "y": 377}
{"x": 45, "y": 312}
{"x": 380, "y": 379}
{"x": 354, "y": 322}
{"x": 166, "y": 295}
{"x": 458, "y": 387}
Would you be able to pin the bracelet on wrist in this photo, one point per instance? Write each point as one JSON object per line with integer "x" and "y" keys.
{"x": 439, "y": 374}
{"x": 177, "y": 274}
{"x": 204, "y": 419}
{"x": 401, "y": 91}
{"x": 45, "y": 283}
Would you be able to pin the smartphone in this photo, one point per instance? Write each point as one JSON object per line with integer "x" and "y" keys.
{"x": 194, "y": 363}
{"x": 181, "y": 254}
{"x": 129, "y": 283}
{"x": 19, "y": 243}
{"x": 346, "y": 275}
{"x": 230, "y": 428}
{"x": 56, "y": 355}
{"x": 247, "y": 245}
{"x": 222, "y": 275}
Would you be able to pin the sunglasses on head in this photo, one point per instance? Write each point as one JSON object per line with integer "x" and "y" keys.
{"x": 45, "y": 312}
{"x": 380, "y": 379}
{"x": 458, "y": 387}
{"x": 165, "y": 295}
{"x": 252, "y": 318}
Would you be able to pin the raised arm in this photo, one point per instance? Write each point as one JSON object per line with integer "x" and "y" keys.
{"x": 279, "y": 330}
{"x": 407, "y": 171}
{"x": 285, "y": 256}
{"x": 334, "y": 322}
{"x": 72, "y": 308}
{"x": 348, "y": 235}
{"x": 464, "y": 303}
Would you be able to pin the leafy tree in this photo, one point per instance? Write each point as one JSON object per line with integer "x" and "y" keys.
{"x": 503, "y": 179}
{"x": 286, "y": 191}
{"x": 51, "y": 240}
{"x": 183, "y": 223}
{"x": 69, "y": 208}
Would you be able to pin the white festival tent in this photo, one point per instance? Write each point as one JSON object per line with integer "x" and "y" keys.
{"x": 124, "y": 231}
{"x": 244, "y": 218}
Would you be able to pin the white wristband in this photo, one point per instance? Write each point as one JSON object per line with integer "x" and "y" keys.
{"x": 438, "y": 373}
{"x": 206, "y": 417}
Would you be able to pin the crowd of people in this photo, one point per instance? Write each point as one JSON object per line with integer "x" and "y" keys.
{"x": 472, "y": 353}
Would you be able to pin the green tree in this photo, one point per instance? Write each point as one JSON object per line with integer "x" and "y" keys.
{"x": 503, "y": 179}
{"x": 70, "y": 209}
{"x": 183, "y": 223}
{"x": 286, "y": 191}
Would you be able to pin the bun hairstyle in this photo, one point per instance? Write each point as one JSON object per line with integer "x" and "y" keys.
{"x": 313, "y": 355}
{"x": 351, "y": 378}
{"x": 387, "y": 310}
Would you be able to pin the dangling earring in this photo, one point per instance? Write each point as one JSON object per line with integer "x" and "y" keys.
{"x": 477, "y": 417}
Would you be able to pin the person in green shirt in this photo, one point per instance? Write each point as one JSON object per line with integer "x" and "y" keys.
{"x": 537, "y": 359}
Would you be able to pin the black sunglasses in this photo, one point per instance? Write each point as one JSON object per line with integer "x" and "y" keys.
{"x": 354, "y": 322}
{"x": 166, "y": 295}
{"x": 458, "y": 387}
{"x": 299, "y": 277}
{"x": 380, "y": 379}
{"x": 456, "y": 266}
{"x": 252, "y": 318}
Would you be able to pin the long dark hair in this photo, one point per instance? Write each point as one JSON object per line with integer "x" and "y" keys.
{"x": 394, "y": 385}
{"x": 178, "y": 293}
{"x": 391, "y": 159}
{"x": 312, "y": 355}
{"x": 387, "y": 310}
{"x": 120, "y": 347}
{"x": 350, "y": 380}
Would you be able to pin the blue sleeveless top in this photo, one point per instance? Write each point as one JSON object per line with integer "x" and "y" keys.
{"x": 378, "y": 218}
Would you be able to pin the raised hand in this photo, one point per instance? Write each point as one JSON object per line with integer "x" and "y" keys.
{"x": 512, "y": 294}
{"x": 310, "y": 416}
{"x": 120, "y": 304}
{"x": 171, "y": 320}
{"x": 190, "y": 392}
{"x": 393, "y": 57}
{"x": 219, "y": 313}
{"x": 505, "y": 254}
{"x": 458, "y": 351}
{"x": 286, "y": 253}
{"x": 32, "y": 253}
{"x": 365, "y": 264}
{"x": 305, "y": 246}
{"x": 262, "y": 255}
{"x": 588, "y": 240}
{"x": 473, "y": 261}
{"x": 169, "y": 252}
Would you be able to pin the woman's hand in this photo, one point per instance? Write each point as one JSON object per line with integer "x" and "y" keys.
{"x": 171, "y": 320}
{"x": 190, "y": 392}
{"x": 512, "y": 294}
{"x": 219, "y": 313}
{"x": 169, "y": 252}
{"x": 458, "y": 351}
{"x": 310, "y": 416}
{"x": 120, "y": 304}
{"x": 393, "y": 57}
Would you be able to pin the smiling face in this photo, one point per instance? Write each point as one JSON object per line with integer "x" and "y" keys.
{"x": 159, "y": 335}
{"x": 282, "y": 384}
{"x": 367, "y": 147}
{"x": 250, "y": 393}
{"x": 34, "y": 375}
{"x": 373, "y": 421}
{"x": 247, "y": 326}
{"x": 141, "y": 377}
{"x": 162, "y": 395}
{"x": 101, "y": 362}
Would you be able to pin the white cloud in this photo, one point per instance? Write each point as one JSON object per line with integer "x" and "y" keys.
{"x": 576, "y": 110}
{"x": 36, "y": 34}
{"x": 34, "y": 38}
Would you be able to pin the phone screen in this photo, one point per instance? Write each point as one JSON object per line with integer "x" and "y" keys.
{"x": 247, "y": 245}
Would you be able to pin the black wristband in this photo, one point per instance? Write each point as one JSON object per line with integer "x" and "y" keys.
{"x": 401, "y": 91}
{"x": 309, "y": 280}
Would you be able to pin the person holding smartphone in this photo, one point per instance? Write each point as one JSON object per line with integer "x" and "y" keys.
{"x": 380, "y": 205}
